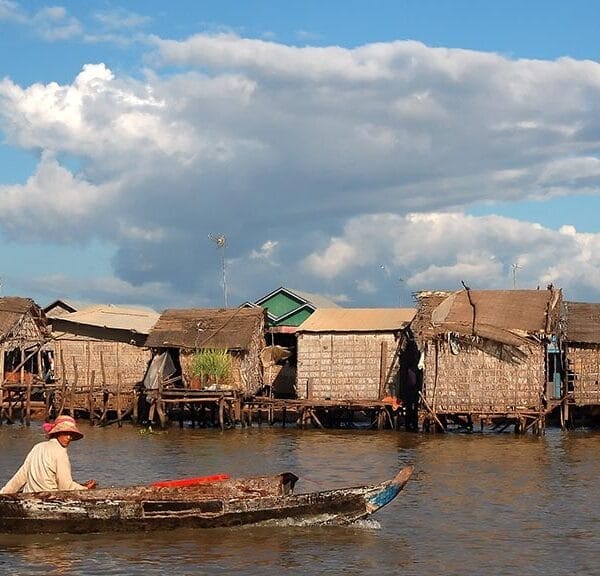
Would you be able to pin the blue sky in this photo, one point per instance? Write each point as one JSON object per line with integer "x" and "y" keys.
{"x": 362, "y": 150}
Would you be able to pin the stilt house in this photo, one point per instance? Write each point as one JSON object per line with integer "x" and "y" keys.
{"x": 23, "y": 334}
{"x": 100, "y": 356}
{"x": 180, "y": 333}
{"x": 286, "y": 309}
{"x": 492, "y": 354}
{"x": 582, "y": 351}
{"x": 350, "y": 353}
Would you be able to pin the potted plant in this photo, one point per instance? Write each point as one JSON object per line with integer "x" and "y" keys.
{"x": 211, "y": 366}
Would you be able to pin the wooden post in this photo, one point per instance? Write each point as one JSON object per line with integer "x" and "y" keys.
{"x": 91, "y": 397}
{"x": 433, "y": 414}
{"x": 73, "y": 387}
{"x": 222, "y": 413}
{"x": 159, "y": 407}
{"x": 119, "y": 390}
{"x": 1, "y": 384}
{"x": 28, "y": 401}
{"x": 382, "y": 369}
{"x": 63, "y": 384}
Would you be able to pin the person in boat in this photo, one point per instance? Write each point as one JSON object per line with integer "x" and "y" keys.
{"x": 47, "y": 466}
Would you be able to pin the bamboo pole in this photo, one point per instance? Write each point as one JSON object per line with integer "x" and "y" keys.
{"x": 28, "y": 402}
{"x": 1, "y": 384}
{"x": 73, "y": 387}
{"x": 119, "y": 388}
{"x": 91, "y": 397}
{"x": 63, "y": 384}
{"x": 432, "y": 412}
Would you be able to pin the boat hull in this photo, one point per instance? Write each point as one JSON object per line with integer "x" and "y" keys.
{"x": 223, "y": 505}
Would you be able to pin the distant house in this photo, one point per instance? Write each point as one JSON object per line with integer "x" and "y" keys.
{"x": 240, "y": 331}
{"x": 101, "y": 350}
{"x": 493, "y": 354}
{"x": 60, "y": 308}
{"x": 23, "y": 335}
{"x": 286, "y": 309}
{"x": 349, "y": 353}
{"x": 582, "y": 351}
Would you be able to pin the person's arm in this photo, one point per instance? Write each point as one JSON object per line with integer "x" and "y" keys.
{"x": 64, "y": 480}
{"x": 16, "y": 483}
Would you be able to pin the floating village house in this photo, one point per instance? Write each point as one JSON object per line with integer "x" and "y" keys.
{"x": 350, "y": 354}
{"x": 181, "y": 333}
{"x": 23, "y": 357}
{"x": 582, "y": 352}
{"x": 286, "y": 309}
{"x": 100, "y": 357}
{"x": 490, "y": 354}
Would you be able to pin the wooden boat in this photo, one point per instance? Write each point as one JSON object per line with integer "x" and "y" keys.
{"x": 219, "y": 503}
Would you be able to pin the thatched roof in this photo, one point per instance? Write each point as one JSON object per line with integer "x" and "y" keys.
{"x": 357, "y": 320}
{"x": 197, "y": 328}
{"x": 506, "y": 316}
{"x": 582, "y": 322}
{"x": 12, "y": 309}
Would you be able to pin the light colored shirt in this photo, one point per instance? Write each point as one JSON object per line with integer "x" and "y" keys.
{"x": 47, "y": 467}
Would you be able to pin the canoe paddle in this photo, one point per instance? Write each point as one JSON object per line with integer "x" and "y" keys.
{"x": 184, "y": 482}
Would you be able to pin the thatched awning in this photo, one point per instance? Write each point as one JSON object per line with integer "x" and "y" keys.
{"x": 198, "y": 328}
{"x": 510, "y": 317}
{"x": 582, "y": 322}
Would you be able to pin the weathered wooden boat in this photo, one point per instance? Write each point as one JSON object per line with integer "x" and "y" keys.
{"x": 220, "y": 503}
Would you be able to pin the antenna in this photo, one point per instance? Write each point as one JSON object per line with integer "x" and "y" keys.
{"x": 515, "y": 267}
{"x": 221, "y": 241}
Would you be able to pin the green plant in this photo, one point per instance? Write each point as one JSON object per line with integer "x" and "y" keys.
{"x": 215, "y": 364}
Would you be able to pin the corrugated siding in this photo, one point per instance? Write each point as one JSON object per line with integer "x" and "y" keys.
{"x": 342, "y": 366}
{"x": 479, "y": 381}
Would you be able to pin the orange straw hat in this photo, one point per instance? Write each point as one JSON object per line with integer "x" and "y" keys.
{"x": 64, "y": 424}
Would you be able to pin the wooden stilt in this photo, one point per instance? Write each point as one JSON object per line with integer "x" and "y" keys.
{"x": 73, "y": 388}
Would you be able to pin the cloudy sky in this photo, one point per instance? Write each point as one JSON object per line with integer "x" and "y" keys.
{"x": 363, "y": 150}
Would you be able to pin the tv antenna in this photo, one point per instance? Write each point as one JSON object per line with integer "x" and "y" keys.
{"x": 516, "y": 266}
{"x": 221, "y": 241}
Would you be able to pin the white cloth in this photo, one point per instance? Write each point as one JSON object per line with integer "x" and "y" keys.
{"x": 47, "y": 467}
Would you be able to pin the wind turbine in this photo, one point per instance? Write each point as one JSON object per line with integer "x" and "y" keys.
{"x": 221, "y": 241}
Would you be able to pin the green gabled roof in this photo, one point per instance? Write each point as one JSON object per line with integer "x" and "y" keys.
{"x": 295, "y": 317}
{"x": 286, "y": 307}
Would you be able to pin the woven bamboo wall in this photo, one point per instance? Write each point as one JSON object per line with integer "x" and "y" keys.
{"x": 584, "y": 362}
{"x": 478, "y": 381}
{"x": 124, "y": 364}
{"x": 342, "y": 366}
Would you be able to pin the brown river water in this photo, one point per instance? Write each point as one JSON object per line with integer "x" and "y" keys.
{"x": 477, "y": 504}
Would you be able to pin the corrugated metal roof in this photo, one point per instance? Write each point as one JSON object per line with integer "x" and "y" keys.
{"x": 195, "y": 328}
{"x": 138, "y": 319}
{"x": 582, "y": 322}
{"x": 357, "y": 320}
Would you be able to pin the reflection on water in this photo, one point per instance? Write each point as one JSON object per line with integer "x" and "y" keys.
{"x": 493, "y": 504}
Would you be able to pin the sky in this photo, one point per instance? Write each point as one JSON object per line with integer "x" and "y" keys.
{"x": 202, "y": 153}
